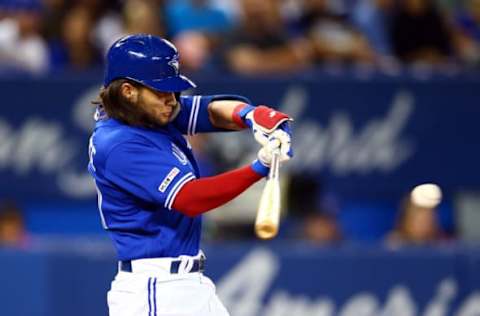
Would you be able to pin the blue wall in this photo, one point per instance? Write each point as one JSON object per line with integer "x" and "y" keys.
{"x": 256, "y": 279}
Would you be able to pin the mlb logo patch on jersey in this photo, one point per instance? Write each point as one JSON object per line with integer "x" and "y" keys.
{"x": 177, "y": 152}
{"x": 168, "y": 179}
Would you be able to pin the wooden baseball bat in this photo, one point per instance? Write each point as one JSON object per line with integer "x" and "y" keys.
{"x": 268, "y": 214}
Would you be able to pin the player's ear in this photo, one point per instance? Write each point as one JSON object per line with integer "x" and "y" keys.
{"x": 129, "y": 91}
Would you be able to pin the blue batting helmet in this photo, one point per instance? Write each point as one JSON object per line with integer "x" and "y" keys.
{"x": 146, "y": 59}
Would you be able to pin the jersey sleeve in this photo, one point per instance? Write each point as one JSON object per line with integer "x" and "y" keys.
{"x": 148, "y": 172}
{"x": 193, "y": 117}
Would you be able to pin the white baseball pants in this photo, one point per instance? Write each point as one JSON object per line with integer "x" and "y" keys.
{"x": 151, "y": 290}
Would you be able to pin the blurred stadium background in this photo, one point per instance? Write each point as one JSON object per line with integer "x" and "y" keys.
{"x": 385, "y": 96}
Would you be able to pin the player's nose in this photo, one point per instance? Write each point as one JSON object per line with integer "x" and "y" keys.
{"x": 171, "y": 99}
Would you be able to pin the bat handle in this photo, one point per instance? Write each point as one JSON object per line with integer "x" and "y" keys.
{"x": 275, "y": 163}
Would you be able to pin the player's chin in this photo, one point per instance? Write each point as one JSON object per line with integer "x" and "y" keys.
{"x": 163, "y": 119}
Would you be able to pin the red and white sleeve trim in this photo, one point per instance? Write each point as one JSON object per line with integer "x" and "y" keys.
{"x": 176, "y": 188}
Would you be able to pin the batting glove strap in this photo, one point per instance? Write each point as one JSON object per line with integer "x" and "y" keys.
{"x": 260, "y": 168}
{"x": 239, "y": 114}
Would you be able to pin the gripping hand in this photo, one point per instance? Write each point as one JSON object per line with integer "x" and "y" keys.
{"x": 279, "y": 141}
{"x": 262, "y": 120}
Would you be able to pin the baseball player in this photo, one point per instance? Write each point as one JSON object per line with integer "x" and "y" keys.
{"x": 150, "y": 196}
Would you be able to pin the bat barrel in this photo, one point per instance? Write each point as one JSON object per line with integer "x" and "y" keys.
{"x": 268, "y": 214}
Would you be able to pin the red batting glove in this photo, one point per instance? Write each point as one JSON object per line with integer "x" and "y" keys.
{"x": 267, "y": 119}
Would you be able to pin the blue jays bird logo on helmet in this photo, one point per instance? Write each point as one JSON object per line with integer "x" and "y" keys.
{"x": 175, "y": 65}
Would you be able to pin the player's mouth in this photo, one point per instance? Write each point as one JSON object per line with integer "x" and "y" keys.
{"x": 167, "y": 115}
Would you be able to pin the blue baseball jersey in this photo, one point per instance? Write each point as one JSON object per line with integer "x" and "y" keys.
{"x": 138, "y": 173}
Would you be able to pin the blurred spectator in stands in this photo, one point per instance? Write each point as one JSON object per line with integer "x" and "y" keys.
{"x": 143, "y": 16}
{"x": 321, "y": 228}
{"x": 332, "y": 35}
{"x": 196, "y": 28}
{"x": 260, "y": 45}
{"x": 448, "y": 5}
{"x": 12, "y": 227}
{"x": 311, "y": 212}
{"x": 372, "y": 18}
{"x": 195, "y": 15}
{"x": 231, "y": 8}
{"x": 467, "y": 33}
{"x": 53, "y": 13}
{"x": 21, "y": 46}
{"x": 137, "y": 16}
{"x": 417, "y": 224}
{"x": 75, "y": 49}
{"x": 195, "y": 49}
{"x": 419, "y": 33}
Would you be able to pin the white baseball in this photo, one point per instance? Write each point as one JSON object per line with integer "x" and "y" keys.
{"x": 426, "y": 195}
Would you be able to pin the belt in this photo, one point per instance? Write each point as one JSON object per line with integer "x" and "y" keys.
{"x": 198, "y": 265}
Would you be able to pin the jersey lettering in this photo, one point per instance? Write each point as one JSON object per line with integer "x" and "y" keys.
{"x": 91, "y": 153}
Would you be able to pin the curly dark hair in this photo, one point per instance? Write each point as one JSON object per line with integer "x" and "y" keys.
{"x": 118, "y": 107}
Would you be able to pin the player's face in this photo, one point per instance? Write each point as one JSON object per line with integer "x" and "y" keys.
{"x": 159, "y": 106}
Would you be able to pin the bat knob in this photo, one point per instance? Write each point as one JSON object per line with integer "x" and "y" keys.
{"x": 266, "y": 230}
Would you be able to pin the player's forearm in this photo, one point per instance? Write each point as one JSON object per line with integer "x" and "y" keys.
{"x": 201, "y": 195}
{"x": 221, "y": 114}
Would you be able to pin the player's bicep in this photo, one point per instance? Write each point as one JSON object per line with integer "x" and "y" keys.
{"x": 147, "y": 172}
